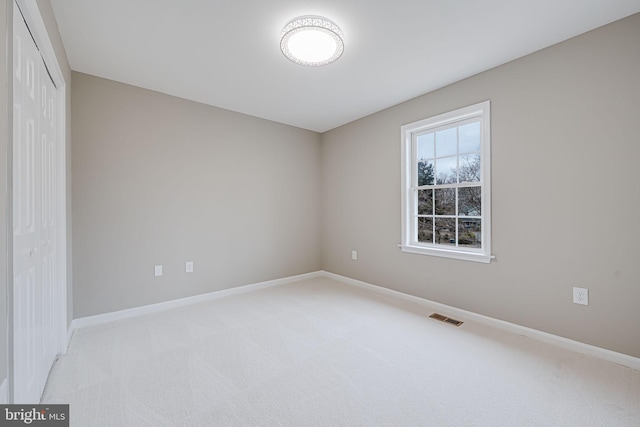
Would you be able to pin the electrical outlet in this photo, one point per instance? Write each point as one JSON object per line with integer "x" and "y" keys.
{"x": 157, "y": 271}
{"x": 581, "y": 296}
{"x": 188, "y": 266}
{"x": 354, "y": 255}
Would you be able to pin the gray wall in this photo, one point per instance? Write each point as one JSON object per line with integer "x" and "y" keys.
{"x": 565, "y": 152}
{"x": 162, "y": 180}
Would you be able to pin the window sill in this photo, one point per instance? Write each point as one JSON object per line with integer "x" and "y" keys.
{"x": 447, "y": 253}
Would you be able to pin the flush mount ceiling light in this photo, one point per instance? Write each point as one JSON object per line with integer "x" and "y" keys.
{"x": 311, "y": 41}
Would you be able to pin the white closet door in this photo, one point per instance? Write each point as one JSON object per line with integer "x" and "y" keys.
{"x": 34, "y": 217}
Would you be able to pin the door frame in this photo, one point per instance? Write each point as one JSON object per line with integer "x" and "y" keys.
{"x": 36, "y": 25}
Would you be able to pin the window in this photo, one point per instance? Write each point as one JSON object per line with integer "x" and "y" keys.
{"x": 446, "y": 198}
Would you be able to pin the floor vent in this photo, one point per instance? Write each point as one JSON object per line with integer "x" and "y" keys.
{"x": 446, "y": 319}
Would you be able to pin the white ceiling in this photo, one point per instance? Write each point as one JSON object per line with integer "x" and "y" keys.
{"x": 226, "y": 53}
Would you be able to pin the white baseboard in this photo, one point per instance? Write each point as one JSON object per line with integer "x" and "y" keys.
{"x": 99, "y": 319}
{"x": 601, "y": 353}
{"x": 579, "y": 347}
{"x": 4, "y": 396}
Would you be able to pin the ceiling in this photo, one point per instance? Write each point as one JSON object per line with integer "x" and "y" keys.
{"x": 226, "y": 53}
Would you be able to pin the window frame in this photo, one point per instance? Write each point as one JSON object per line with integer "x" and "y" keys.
{"x": 409, "y": 133}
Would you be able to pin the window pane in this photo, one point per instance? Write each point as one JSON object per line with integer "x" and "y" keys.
{"x": 425, "y": 202}
{"x": 445, "y": 201}
{"x": 425, "y": 230}
{"x": 446, "y": 170}
{"x": 469, "y": 137}
{"x": 447, "y": 142}
{"x": 445, "y": 231}
{"x": 425, "y": 146}
{"x": 470, "y": 232}
{"x": 425, "y": 172}
{"x": 470, "y": 201}
{"x": 470, "y": 167}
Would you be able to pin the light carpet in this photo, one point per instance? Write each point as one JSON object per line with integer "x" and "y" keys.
{"x": 322, "y": 353}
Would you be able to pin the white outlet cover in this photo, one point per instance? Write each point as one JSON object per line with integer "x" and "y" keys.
{"x": 188, "y": 266}
{"x": 354, "y": 255}
{"x": 157, "y": 271}
{"x": 581, "y": 296}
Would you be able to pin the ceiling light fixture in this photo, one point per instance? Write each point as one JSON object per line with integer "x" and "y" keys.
{"x": 312, "y": 41}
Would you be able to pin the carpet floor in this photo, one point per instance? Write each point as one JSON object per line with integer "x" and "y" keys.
{"x": 322, "y": 353}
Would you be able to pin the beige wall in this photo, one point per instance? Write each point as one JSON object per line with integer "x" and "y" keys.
{"x": 162, "y": 180}
{"x": 565, "y": 154}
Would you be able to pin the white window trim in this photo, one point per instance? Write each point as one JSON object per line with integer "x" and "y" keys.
{"x": 407, "y": 131}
